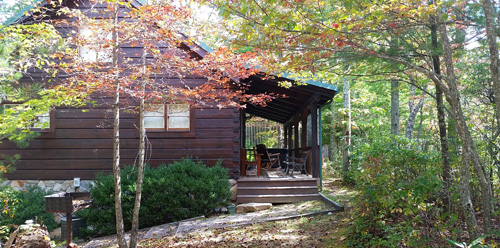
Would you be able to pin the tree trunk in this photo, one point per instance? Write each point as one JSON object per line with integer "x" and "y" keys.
{"x": 443, "y": 138}
{"x": 494, "y": 55}
{"x": 469, "y": 151}
{"x": 120, "y": 234}
{"x": 394, "y": 107}
{"x": 333, "y": 139}
{"x": 346, "y": 162}
{"x": 414, "y": 109}
{"x": 140, "y": 163}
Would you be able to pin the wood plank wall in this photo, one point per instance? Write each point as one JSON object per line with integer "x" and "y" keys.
{"x": 81, "y": 144}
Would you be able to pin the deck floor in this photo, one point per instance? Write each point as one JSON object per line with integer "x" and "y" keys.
{"x": 271, "y": 174}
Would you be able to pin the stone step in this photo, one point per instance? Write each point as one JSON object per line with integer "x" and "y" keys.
{"x": 285, "y": 198}
{"x": 277, "y": 190}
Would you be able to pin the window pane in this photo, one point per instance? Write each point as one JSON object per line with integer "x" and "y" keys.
{"x": 155, "y": 110}
{"x": 178, "y": 122}
{"x": 178, "y": 110}
{"x": 43, "y": 122}
{"x": 154, "y": 122}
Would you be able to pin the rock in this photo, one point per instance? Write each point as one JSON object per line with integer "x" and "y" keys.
{"x": 32, "y": 236}
{"x": 223, "y": 210}
{"x": 57, "y": 187}
{"x": 252, "y": 207}
{"x": 16, "y": 184}
{"x": 65, "y": 186}
{"x": 234, "y": 192}
{"x": 41, "y": 184}
{"x": 50, "y": 184}
{"x": 232, "y": 182}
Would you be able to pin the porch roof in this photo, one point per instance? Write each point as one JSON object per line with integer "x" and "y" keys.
{"x": 297, "y": 97}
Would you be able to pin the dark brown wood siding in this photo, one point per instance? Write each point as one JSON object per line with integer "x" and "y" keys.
{"x": 81, "y": 144}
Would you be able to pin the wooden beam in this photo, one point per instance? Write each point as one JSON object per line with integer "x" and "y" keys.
{"x": 315, "y": 146}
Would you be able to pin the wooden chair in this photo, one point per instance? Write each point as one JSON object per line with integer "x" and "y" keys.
{"x": 245, "y": 162}
{"x": 268, "y": 159}
{"x": 295, "y": 163}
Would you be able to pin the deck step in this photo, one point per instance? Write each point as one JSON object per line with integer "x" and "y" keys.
{"x": 276, "y": 182}
{"x": 278, "y": 190}
{"x": 284, "y": 198}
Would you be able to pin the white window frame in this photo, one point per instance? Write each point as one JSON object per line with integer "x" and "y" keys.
{"x": 163, "y": 110}
{"x": 96, "y": 39}
{"x": 39, "y": 125}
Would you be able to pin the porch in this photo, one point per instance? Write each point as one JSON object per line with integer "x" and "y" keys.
{"x": 298, "y": 112}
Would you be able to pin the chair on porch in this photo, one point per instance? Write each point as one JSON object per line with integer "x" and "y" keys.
{"x": 295, "y": 163}
{"x": 245, "y": 162}
{"x": 268, "y": 159}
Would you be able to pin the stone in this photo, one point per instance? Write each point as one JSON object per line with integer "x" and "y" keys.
{"x": 232, "y": 182}
{"x": 252, "y": 207}
{"x": 16, "y": 184}
{"x": 32, "y": 235}
{"x": 234, "y": 192}
{"x": 41, "y": 184}
{"x": 223, "y": 210}
{"x": 65, "y": 186}
{"x": 57, "y": 187}
{"x": 50, "y": 184}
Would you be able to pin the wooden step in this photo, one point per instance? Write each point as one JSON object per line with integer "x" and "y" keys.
{"x": 266, "y": 182}
{"x": 278, "y": 190}
{"x": 285, "y": 198}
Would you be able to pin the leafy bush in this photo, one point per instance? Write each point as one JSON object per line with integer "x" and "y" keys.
{"x": 26, "y": 204}
{"x": 398, "y": 189}
{"x": 181, "y": 190}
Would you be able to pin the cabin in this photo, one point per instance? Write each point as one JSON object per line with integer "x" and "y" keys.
{"x": 78, "y": 141}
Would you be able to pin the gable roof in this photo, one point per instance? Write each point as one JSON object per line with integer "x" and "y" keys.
{"x": 280, "y": 110}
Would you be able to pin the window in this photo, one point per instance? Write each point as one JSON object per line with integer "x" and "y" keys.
{"x": 96, "y": 48}
{"x": 42, "y": 121}
{"x": 170, "y": 117}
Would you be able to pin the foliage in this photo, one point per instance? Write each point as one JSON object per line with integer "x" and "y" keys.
{"x": 28, "y": 204}
{"x": 181, "y": 190}
{"x": 397, "y": 186}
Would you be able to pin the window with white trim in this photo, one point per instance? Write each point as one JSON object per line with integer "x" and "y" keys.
{"x": 169, "y": 117}
{"x": 96, "y": 48}
{"x": 42, "y": 121}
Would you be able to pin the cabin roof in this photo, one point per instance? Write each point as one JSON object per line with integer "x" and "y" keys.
{"x": 280, "y": 110}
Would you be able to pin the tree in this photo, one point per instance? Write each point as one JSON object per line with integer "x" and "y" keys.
{"x": 302, "y": 37}
{"x": 98, "y": 62}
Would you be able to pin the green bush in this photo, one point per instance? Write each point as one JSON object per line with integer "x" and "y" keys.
{"x": 28, "y": 204}
{"x": 181, "y": 190}
{"x": 398, "y": 190}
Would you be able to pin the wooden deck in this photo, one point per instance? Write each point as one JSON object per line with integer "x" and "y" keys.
{"x": 277, "y": 187}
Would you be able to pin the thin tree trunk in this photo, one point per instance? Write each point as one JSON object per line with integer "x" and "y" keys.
{"x": 333, "y": 139}
{"x": 120, "y": 234}
{"x": 394, "y": 107}
{"x": 414, "y": 109}
{"x": 469, "y": 151}
{"x": 140, "y": 163}
{"x": 347, "y": 141}
{"x": 494, "y": 55}
{"x": 443, "y": 138}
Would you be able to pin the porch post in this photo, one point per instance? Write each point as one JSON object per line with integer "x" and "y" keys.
{"x": 314, "y": 139}
{"x": 296, "y": 135}
{"x": 303, "y": 139}
{"x": 285, "y": 138}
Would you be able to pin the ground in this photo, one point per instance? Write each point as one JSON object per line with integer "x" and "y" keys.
{"x": 256, "y": 229}
{"x": 325, "y": 230}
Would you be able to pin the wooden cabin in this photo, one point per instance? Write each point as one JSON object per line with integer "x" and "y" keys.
{"x": 78, "y": 142}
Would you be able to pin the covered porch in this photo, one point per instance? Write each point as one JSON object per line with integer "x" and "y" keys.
{"x": 299, "y": 115}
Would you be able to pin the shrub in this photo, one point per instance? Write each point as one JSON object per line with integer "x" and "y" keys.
{"x": 397, "y": 187}
{"x": 27, "y": 204}
{"x": 181, "y": 190}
